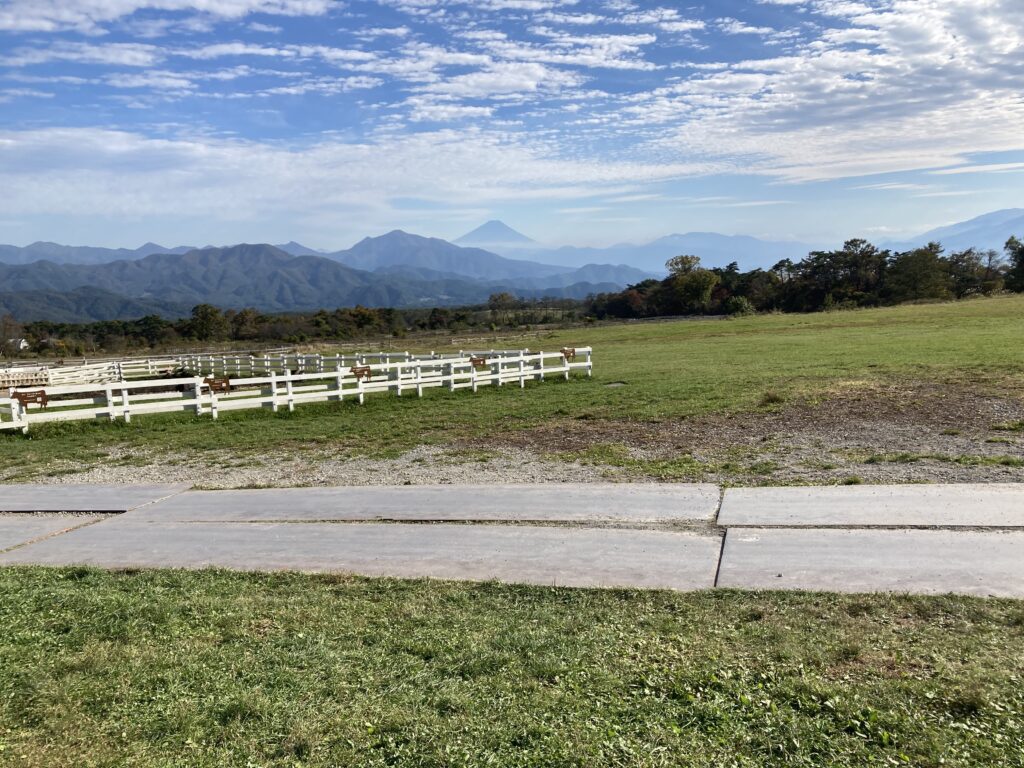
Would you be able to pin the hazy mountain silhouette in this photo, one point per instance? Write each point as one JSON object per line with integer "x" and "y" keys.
{"x": 493, "y": 233}
{"x": 990, "y": 230}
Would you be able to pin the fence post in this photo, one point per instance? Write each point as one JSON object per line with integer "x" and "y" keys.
{"x": 395, "y": 375}
{"x": 124, "y": 406}
{"x": 289, "y": 391}
{"x": 540, "y": 365}
{"x": 497, "y": 372}
{"x": 451, "y": 376}
{"x": 419, "y": 379}
{"x": 522, "y": 372}
{"x": 213, "y": 403}
{"x": 273, "y": 390}
{"x": 197, "y": 385}
{"x": 339, "y": 377}
{"x": 590, "y": 365}
{"x": 110, "y": 402}
{"x": 18, "y": 415}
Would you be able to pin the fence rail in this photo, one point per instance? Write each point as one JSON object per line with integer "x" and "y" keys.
{"x": 281, "y": 381}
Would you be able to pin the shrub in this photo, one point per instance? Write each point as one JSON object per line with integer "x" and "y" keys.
{"x": 738, "y": 305}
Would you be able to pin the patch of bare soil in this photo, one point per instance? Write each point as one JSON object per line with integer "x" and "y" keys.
{"x": 426, "y": 465}
{"x": 912, "y": 432}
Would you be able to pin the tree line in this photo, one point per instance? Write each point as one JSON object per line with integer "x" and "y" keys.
{"x": 208, "y": 324}
{"x": 856, "y": 275}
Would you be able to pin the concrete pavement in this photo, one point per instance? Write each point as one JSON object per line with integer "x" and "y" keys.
{"x": 511, "y": 503}
{"x": 82, "y": 498}
{"x": 988, "y": 563}
{"x": 588, "y": 557}
{"x": 955, "y": 506}
{"x": 852, "y": 539}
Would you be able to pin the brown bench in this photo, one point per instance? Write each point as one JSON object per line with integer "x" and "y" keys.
{"x": 569, "y": 353}
{"x": 478, "y": 362}
{"x": 218, "y": 383}
{"x": 35, "y": 397}
{"x": 362, "y": 372}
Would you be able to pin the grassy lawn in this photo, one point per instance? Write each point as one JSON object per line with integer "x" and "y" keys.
{"x": 671, "y": 371}
{"x": 168, "y": 668}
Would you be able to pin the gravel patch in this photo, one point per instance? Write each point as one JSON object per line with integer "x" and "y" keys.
{"x": 426, "y": 465}
{"x": 905, "y": 433}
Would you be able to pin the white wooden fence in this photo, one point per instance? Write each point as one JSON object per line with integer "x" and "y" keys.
{"x": 283, "y": 386}
{"x": 101, "y": 372}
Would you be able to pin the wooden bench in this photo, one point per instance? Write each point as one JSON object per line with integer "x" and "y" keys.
{"x": 35, "y": 397}
{"x": 218, "y": 383}
{"x": 362, "y": 372}
{"x": 569, "y": 353}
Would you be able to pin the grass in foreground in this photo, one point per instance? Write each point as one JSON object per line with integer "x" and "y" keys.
{"x": 671, "y": 371}
{"x": 166, "y": 668}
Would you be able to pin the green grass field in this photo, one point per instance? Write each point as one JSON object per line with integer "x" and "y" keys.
{"x": 671, "y": 370}
{"x": 205, "y": 669}
{"x": 218, "y": 669}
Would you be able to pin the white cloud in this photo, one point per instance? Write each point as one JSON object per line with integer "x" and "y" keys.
{"x": 89, "y": 16}
{"x": 939, "y": 80}
{"x": 98, "y": 172}
{"x": 988, "y": 168}
{"x": 117, "y": 54}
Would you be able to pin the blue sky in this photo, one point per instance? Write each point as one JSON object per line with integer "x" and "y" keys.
{"x": 576, "y": 121}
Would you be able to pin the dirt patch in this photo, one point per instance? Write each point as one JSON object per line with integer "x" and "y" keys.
{"x": 913, "y": 432}
{"x": 425, "y": 465}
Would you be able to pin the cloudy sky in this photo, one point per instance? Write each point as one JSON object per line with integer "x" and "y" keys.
{"x": 576, "y": 121}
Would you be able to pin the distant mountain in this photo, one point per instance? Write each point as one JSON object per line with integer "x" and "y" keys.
{"x": 80, "y": 254}
{"x": 84, "y": 305}
{"x": 991, "y": 230}
{"x": 260, "y": 276}
{"x": 713, "y": 249}
{"x": 298, "y": 249}
{"x": 493, "y": 233}
{"x": 401, "y": 249}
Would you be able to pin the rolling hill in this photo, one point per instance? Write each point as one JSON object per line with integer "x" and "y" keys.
{"x": 84, "y": 304}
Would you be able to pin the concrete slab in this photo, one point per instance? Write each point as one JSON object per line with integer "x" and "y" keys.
{"x": 524, "y": 554}
{"x": 528, "y": 503}
{"x": 82, "y": 498}
{"x": 868, "y": 505}
{"x": 919, "y": 561}
{"x": 18, "y": 529}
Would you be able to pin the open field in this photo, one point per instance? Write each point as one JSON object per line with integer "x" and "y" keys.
{"x": 217, "y": 669}
{"x": 913, "y": 393}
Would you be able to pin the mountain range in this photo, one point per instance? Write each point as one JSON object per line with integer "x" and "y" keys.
{"x": 79, "y": 283}
{"x": 273, "y": 280}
